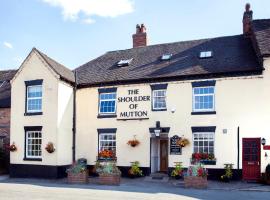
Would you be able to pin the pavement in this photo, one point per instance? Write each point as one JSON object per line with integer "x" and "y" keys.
{"x": 130, "y": 189}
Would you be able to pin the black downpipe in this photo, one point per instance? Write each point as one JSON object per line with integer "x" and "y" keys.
{"x": 74, "y": 120}
{"x": 238, "y": 147}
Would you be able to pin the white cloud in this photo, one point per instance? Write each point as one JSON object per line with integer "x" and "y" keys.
{"x": 88, "y": 21}
{"x": 8, "y": 45}
{"x": 73, "y": 9}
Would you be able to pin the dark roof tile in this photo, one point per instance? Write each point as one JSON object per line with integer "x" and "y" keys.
{"x": 230, "y": 54}
{"x": 261, "y": 30}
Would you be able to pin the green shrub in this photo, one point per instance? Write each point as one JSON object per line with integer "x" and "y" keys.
{"x": 135, "y": 169}
{"x": 107, "y": 168}
{"x": 77, "y": 168}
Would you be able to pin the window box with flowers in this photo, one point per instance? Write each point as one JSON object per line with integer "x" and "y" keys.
{"x": 106, "y": 155}
{"x": 196, "y": 177}
{"x": 203, "y": 158}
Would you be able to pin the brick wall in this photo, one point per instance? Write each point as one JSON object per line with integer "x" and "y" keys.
{"x": 5, "y": 122}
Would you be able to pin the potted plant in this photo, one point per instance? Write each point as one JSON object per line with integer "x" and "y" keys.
{"x": 183, "y": 142}
{"x": 50, "y": 147}
{"x": 265, "y": 178}
{"x": 109, "y": 174}
{"x": 106, "y": 154}
{"x": 12, "y": 147}
{"x": 77, "y": 173}
{"x": 196, "y": 177}
{"x": 177, "y": 173}
{"x": 135, "y": 170}
{"x": 228, "y": 173}
{"x": 134, "y": 142}
{"x": 203, "y": 158}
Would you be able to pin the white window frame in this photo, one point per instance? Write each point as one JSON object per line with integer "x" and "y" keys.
{"x": 194, "y": 95}
{"x": 32, "y": 98}
{"x": 100, "y": 100}
{"x": 100, "y": 140}
{"x": 154, "y": 97}
{"x": 26, "y": 149}
{"x": 212, "y": 140}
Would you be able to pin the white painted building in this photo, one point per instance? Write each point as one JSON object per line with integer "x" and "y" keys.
{"x": 212, "y": 92}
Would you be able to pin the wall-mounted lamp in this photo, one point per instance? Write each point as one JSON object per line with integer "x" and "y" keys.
{"x": 263, "y": 141}
{"x": 157, "y": 132}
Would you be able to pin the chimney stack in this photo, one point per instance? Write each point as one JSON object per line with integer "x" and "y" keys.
{"x": 140, "y": 37}
{"x": 247, "y": 19}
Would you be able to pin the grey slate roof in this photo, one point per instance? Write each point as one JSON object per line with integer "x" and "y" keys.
{"x": 261, "y": 29}
{"x": 60, "y": 69}
{"x": 5, "y": 88}
{"x": 230, "y": 54}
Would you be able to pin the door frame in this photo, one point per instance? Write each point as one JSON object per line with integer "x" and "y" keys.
{"x": 167, "y": 157}
{"x": 260, "y": 163}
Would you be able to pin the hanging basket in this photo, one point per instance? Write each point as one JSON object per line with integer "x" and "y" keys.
{"x": 12, "y": 147}
{"x": 50, "y": 147}
{"x": 134, "y": 142}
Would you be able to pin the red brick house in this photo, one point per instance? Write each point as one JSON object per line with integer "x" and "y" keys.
{"x": 5, "y": 89}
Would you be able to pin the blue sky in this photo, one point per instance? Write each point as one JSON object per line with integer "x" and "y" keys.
{"x": 74, "y": 32}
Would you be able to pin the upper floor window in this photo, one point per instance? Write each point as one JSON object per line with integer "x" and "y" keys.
{"x": 159, "y": 99}
{"x": 107, "y": 103}
{"x": 203, "y": 99}
{"x": 33, "y": 104}
{"x": 34, "y": 98}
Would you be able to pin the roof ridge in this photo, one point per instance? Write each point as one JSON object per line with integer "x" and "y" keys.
{"x": 168, "y": 43}
{"x": 57, "y": 67}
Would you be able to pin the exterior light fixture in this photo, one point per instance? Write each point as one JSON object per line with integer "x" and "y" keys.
{"x": 157, "y": 132}
{"x": 263, "y": 141}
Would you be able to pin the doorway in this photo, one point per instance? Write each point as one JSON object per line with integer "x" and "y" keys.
{"x": 159, "y": 155}
{"x": 251, "y": 158}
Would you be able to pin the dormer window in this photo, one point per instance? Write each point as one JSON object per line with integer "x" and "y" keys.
{"x": 166, "y": 57}
{"x": 206, "y": 54}
{"x": 123, "y": 63}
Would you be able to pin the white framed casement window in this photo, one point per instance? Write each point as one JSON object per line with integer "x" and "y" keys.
{"x": 204, "y": 99}
{"x": 107, "y": 141}
{"x": 159, "y": 99}
{"x": 34, "y": 99}
{"x": 33, "y": 144}
{"x": 107, "y": 103}
{"x": 203, "y": 142}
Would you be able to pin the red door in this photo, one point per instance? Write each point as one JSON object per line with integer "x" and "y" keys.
{"x": 251, "y": 157}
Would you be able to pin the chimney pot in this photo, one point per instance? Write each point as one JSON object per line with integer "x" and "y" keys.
{"x": 247, "y": 19}
{"x": 140, "y": 37}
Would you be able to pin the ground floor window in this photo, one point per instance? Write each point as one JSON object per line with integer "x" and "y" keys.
{"x": 203, "y": 142}
{"x": 107, "y": 141}
{"x": 33, "y": 144}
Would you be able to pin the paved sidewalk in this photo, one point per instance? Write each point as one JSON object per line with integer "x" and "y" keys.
{"x": 141, "y": 183}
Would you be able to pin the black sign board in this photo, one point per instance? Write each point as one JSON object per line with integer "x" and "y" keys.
{"x": 174, "y": 148}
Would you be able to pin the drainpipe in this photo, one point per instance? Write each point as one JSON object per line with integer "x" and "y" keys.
{"x": 238, "y": 147}
{"x": 74, "y": 120}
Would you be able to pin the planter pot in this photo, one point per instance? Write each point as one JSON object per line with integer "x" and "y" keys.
{"x": 225, "y": 179}
{"x": 195, "y": 182}
{"x": 109, "y": 179}
{"x": 81, "y": 177}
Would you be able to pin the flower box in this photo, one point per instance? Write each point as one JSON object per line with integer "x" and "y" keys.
{"x": 195, "y": 182}
{"x": 109, "y": 179}
{"x": 81, "y": 177}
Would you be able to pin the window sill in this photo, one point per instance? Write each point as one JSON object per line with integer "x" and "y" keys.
{"x": 32, "y": 159}
{"x": 156, "y": 110}
{"x": 107, "y": 116}
{"x": 34, "y": 113}
{"x": 204, "y": 113}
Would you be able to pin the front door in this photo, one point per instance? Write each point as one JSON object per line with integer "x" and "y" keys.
{"x": 163, "y": 155}
{"x": 251, "y": 158}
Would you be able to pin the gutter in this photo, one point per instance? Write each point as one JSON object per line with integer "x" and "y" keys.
{"x": 74, "y": 120}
